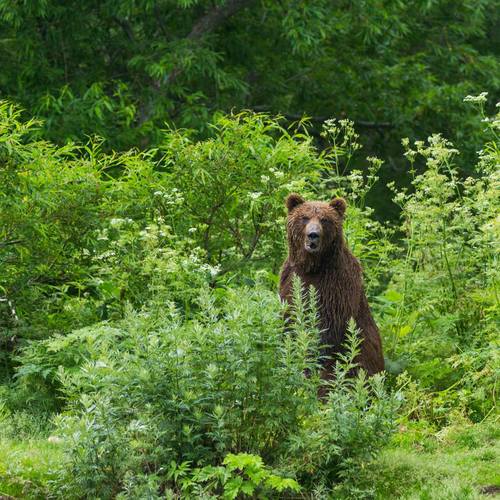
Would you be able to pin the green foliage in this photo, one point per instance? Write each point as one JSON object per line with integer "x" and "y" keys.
{"x": 231, "y": 188}
{"x": 106, "y": 230}
{"x": 348, "y": 431}
{"x": 241, "y": 475}
{"x": 442, "y": 305}
{"x": 139, "y": 310}
{"x": 121, "y": 68}
{"x": 135, "y": 227}
{"x": 208, "y": 392}
{"x": 47, "y": 206}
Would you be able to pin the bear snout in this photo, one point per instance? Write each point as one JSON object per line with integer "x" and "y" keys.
{"x": 313, "y": 237}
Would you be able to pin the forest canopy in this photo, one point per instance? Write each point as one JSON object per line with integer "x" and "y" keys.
{"x": 125, "y": 69}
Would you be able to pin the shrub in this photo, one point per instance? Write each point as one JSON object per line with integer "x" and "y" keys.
{"x": 346, "y": 432}
{"x": 229, "y": 381}
{"x": 233, "y": 186}
{"x": 82, "y": 233}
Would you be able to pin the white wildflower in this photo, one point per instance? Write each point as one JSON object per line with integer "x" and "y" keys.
{"x": 214, "y": 271}
{"x": 476, "y": 98}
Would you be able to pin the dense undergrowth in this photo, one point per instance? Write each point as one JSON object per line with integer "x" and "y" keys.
{"x": 141, "y": 329}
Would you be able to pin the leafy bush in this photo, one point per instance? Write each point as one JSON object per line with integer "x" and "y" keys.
{"x": 347, "y": 432}
{"x": 230, "y": 381}
{"x": 48, "y": 209}
{"x": 83, "y": 233}
{"x": 233, "y": 186}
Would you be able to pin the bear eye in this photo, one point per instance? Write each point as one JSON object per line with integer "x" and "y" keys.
{"x": 305, "y": 220}
{"x": 325, "y": 221}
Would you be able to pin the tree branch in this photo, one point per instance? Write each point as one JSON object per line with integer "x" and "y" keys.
{"x": 210, "y": 22}
{"x": 10, "y": 242}
{"x": 204, "y": 25}
{"x": 216, "y": 17}
{"x": 126, "y": 27}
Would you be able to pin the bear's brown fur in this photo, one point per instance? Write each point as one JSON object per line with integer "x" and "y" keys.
{"x": 318, "y": 254}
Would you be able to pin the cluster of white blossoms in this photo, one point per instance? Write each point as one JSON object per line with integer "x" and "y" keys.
{"x": 118, "y": 222}
{"x": 105, "y": 255}
{"x": 172, "y": 197}
{"x": 277, "y": 173}
{"x": 342, "y": 131}
{"x": 152, "y": 232}
{"x": 438, "y": 150}
{"x": 212, "y": 270}
{"x": 102, "y": 235}
{"x": 476, "y": 98}
{"x": 373, "y": 160}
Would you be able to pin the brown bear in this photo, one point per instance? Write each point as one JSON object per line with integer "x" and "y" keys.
{"x": 318, "y": 254}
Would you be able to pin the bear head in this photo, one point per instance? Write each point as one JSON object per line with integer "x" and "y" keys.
{"x": 314, "y": 228}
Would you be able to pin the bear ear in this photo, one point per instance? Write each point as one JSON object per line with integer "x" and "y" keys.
{"x": 293, "y": 200}
{"x": 339, "y": 204}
